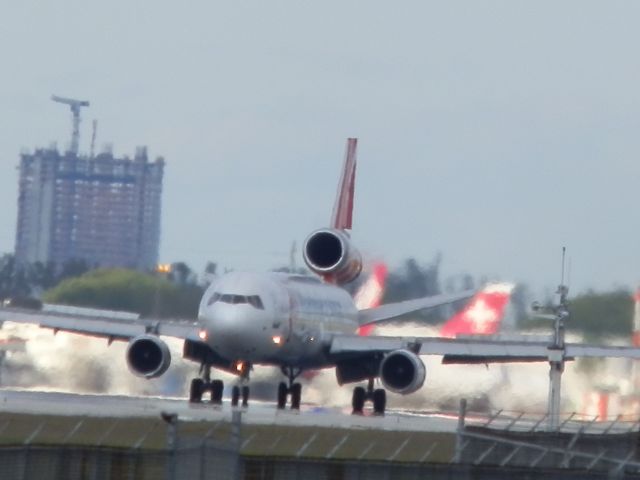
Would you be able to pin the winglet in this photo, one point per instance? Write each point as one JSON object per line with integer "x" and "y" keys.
{"x": 343, "y": 208}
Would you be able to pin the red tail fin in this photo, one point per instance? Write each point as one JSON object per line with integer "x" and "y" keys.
{"x": 370, "y": 294}
{"x": 482, "y": 315}
{"x": 343, "y": 208}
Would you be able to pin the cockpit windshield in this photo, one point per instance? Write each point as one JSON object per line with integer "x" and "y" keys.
{"x": 253, "y": 300}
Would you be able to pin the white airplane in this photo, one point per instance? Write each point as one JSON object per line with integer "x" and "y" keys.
{"x": 297, "y": 323}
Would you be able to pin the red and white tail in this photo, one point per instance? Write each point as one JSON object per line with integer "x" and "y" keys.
{"x": 343, "y": 208}
{"x": 483, "y": 314}
{"x": 370, "y": 294}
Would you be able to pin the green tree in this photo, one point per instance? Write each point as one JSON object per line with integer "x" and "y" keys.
{"x": 73, "y": 268}
{"x": 42, "y": 275}
{"x": 598, "y": 315}
{"x": 181, "y": 274}
{"x": 414, "y": 280}
{"x": 121, "y": 289}
{"x": 14, "y": 281}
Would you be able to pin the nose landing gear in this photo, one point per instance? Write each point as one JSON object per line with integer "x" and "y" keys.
{"x": 236, "y": 392}
{"x": 294, "y": 389}
{"x": 199, "y": 386}
{"x": 242, "y": 387}
{"x": 377, "y": 396}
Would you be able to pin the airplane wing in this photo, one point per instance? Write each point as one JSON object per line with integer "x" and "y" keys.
{"x": 393, "y": 310}
{"x": 101, "y": 326}
{"x": 475, "y": 350}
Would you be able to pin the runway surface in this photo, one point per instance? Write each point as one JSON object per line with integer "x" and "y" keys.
{"x": 56, "y": 418}
{"x": 258, "y": 413}
{"x": 29, "y": 417}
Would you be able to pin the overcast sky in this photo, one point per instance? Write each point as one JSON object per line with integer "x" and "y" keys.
{"x": 492, "y": 131}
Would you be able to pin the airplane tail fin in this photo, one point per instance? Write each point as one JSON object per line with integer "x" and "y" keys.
{"x": 636, "y": 319}
{"x": 483, "y": 314}
{"x": 343, "y": 207}
{"x": 370, "y": 294}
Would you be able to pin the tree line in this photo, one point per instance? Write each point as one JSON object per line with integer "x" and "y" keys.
{"x": 177, "y": 292}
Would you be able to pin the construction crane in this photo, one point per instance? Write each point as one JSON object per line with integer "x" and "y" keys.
{"x": 93, "y": 138}
{"x": 75, "y": 111}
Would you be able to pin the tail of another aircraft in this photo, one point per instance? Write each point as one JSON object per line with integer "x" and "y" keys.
{"x": 370, "y": 294}
{"x": 483, "y": 314}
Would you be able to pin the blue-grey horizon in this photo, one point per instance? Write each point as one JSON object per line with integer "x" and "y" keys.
{"x": 493, "y": 132}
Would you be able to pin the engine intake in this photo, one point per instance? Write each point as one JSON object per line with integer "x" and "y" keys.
{"x": 402, "y": 372}
{"x": 148, "y": 356}
{"x": 329, "y": 253}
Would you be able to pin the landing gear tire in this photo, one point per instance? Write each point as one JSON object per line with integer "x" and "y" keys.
{"x": 296, "y": 396}
{"x": 379, "y": 401}
{"x": 216, "y": 392}
{"x": 195, "y": 392}
{"x": 235, "y": 396}
{"x": 295, "y": 389}
{"x": 245, "y": 396}
{"x": 282, "y": 395}
{"x": 357, "y": 401}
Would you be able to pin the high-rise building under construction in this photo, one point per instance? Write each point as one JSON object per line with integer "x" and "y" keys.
{"x": 103, "y": 210}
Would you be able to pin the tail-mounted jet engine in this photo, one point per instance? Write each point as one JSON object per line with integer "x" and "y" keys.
{"x": 402, "y": 372}
{"x": 148, "y": 356}
{"x": 329, "y": 253}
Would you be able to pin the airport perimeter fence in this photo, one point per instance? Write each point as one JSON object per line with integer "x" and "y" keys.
{"x": 207, "y": 463}
{"x": 105, "y": 463}
{"x": 501, "y": 447}
{"x": 593, "y": 446}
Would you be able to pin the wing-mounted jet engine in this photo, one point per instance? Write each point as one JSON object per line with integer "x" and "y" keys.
{"x": 329, "y": 252}
{"x": 148, "y": 356}
{"x": 402, "y": 372}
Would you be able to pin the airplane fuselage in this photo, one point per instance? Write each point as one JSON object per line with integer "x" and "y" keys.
{"x": 275, "y": 318}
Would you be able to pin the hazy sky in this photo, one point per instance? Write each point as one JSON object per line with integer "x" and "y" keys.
{"x": 493, "y": 131}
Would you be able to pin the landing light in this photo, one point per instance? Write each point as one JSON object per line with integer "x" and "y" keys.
{"x": 239, "y": 366}
{"x": 277, "y": 339}
{"x": 203, "y": 334}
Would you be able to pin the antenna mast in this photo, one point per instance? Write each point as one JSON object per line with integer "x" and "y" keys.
{"x": 556, "y": 365}
{"x": 75, "y": 106}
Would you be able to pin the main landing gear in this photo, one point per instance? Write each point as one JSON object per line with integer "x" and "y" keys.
{"x": 377, "y": 396}
{"x": 199, "y": 386}
{"x": 294, "y": 389}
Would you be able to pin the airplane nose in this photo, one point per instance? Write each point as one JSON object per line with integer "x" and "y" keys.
{"x": 225, "y": 322}
{"x": 235, "y": 331}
